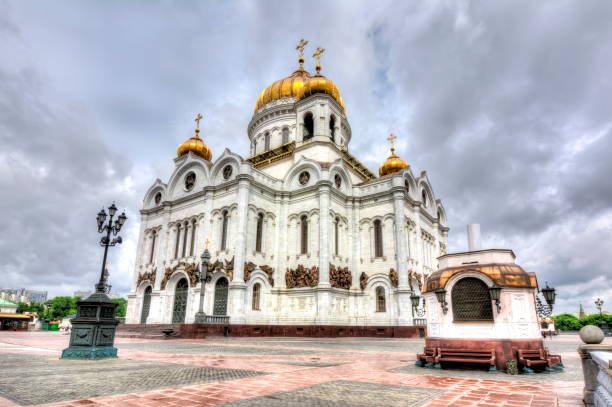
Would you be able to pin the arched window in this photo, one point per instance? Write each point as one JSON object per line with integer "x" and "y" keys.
{"x": 285, "y": 135}
{"x": 304, "y": 234}
{"x": 308, "y": 126}
{"x": 178, "y": 240}
{"x": 267, "y": 142}
{"x": 153, "y": 237}
{"x": 259, "y": 232}
{"x": 381, "y": 303}
{"x": 224, "y": 231}
{"x": 186, "y": 227}
{"x": 254, "y": 146}
{"x": 180, "y": 302}
{"x": 220, "y": 304}
{"x": 424, "y": 198}
{"x": 336, "y": 236}
{"x": 256, "y": 295}
{"x": 378, "y": 240}
{"x": 471, "y": 300}
{"x": 193, "y": 236}
{"x": 146, "y": 305}
{"x": 332, "y": 127}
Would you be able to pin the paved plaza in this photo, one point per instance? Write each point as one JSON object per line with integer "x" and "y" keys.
{"x": 237, "y": 372}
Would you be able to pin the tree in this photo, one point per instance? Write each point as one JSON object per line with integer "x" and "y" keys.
{"x": 595, "y": 319}
{"x": 33, "y": 307}
{"x": 61, "y": 307}
{"x": 566, "y": 322}
{"x": 22, "y": 307}
{"x": 121, "y": 309}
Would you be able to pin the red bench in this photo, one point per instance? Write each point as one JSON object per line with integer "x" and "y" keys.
{"x": 539, "y": 357}
{"x": 465, "y": 356}
{"x": 426, "y": 359}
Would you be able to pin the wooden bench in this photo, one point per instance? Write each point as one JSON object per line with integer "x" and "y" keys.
{"x": 426, "y": 359}
{"x": 466, "y": 356}
{"x": 528, "y": 358}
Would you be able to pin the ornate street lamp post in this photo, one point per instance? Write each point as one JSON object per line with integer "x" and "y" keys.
{"x": 204, "y": 277}
{"x": 93, "y": 328}
{"x": 602, "y": 323}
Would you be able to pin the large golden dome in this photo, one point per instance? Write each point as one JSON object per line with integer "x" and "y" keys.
{"x": 284, "y": 88}
{"x": 393, "y": 163}
{"x": 320, "y": 84}
{"x": 300, "y": 84}
{"x": 195, "y": 144}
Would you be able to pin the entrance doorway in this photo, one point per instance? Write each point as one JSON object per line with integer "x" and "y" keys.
{"x": 146, "y": 305}
{"x": 220, "y": 307}
{"x": 180, "y": 302}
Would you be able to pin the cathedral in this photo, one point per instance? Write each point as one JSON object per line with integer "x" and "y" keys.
{"x": 300, "y": 233}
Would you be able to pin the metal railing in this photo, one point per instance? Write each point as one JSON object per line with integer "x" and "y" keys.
{"x": 217, "y": 319}
{"x": 420, "y": 321}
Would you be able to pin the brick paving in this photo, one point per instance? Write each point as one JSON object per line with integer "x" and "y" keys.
{"x": 236, "y": 372}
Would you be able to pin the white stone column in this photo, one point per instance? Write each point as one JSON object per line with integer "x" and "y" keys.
{"x": 404, "y": 306}
{"x": 400, "y": 239}
{"x": 418, "y": 240}
{"x": 324, "y": 191}
{"x": 237, "y": 287}
{"x": 241, "y": 228}
{"x": 281, "y": 244}
{"x": 354, "y": 244}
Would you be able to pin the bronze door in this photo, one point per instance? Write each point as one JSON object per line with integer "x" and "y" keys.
{"x": 220, "y": 307}
{"x": 146, "y": 305}
{"x": 180, "y": 302}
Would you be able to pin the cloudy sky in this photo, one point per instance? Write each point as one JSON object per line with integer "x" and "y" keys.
{"x": 507, "y": 105}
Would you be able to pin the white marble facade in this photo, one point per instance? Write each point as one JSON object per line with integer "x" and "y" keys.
{"x": 338, "y": 202}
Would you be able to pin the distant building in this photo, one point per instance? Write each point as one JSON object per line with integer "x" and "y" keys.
{"x": 10, "y": 319}
{"x": 581, "y": 313}
{"x": 23, "y": 295}
{"x": 7, "y": 307}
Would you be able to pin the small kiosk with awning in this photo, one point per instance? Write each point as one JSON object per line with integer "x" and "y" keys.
{"x": 13, "y": 322}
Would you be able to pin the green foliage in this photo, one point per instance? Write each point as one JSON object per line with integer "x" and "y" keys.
{"x": 61, "y": 307}
{"x": 594, "y": 319}
{"x": 566, "y": 322}
{"x": 121, "y": 309}
{"x": 25, "y": 307}
{"x": 22, "y": 307}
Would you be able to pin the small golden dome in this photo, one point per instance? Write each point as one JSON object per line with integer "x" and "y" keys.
{"x": 284, "y": 88}
{"x": 195, "y": 144}
{"x": 320, "y": 84}
{"x": 393, "y": 163}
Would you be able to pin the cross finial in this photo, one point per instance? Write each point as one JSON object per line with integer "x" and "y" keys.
{"x": 392, "y": 138}
{"x": 197, "y": 120}
{"x": 300, "y": 48}
{"x": 317, "y": 55}
{"x": 206, "y": 242}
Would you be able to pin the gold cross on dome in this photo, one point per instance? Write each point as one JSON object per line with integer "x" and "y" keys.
{"x": 317, "y": 55}
{"x": 197, "y": 120}
{"x": 206, "y": 242}
{"x": 300, "y": 47}
{"x": 391, "y": 139}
